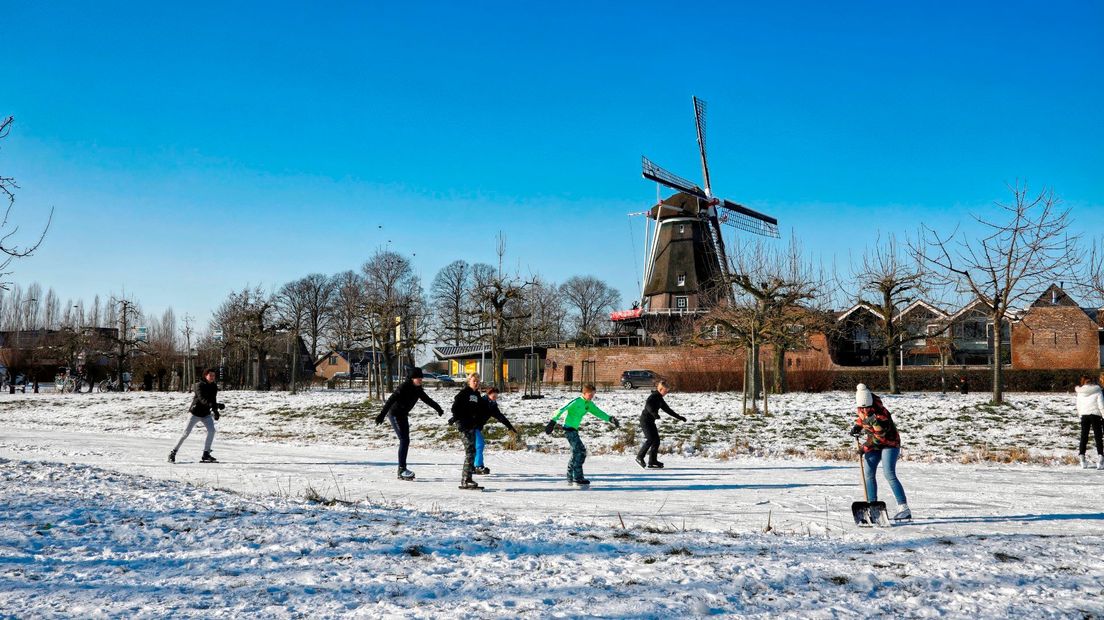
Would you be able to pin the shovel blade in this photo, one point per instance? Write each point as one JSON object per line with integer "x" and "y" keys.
{"x": 869, "y": 514}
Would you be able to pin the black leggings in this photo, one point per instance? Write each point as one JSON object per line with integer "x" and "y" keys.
{"x": 650, "y": 447}
{"x": 1096, "y": 423}
{"x": 401, "y": 424}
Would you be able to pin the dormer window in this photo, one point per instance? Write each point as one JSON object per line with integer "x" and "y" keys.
{"x": 682, "y": 279}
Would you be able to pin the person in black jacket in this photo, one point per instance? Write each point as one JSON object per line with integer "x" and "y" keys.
{"x": 397, "y": 409}
{"x": 648, "y": 417}
{"x": 470, "y": 412}
{"x": 492, "y": 411}
{"x": 204, "y": 407}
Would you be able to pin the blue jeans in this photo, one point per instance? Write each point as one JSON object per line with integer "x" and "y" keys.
{"x": 888, "y": 458}
{"x": 479, "y": 448}
{"x": 578, "y": 454}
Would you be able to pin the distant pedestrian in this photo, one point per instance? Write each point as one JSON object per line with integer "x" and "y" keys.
{"x": 575, "y": 411}
{"x": 963, "y": 384}
{"x": 648, "y": 419}
{"x": 1090, "y": 405}
{"x": 204, "y": 409}
{"x": 882, "y": 445}
{"x": 492, "y": 411}
{"x": 397, "y": 410}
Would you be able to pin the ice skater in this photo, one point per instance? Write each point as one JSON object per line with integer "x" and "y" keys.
{"x": 882, "y": 444}
{"x": 470, "y": 411}
{"x": 1090, "y": 405}
{"x": 491, "y": 400}
{"x": 204, "y": 408}
{"x": 397, "y": 410}
{"x": 648, "y": 418}
{"x": 575, "y": 410}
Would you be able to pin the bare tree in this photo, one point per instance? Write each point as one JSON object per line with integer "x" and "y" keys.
{"x": 887, "y": 281}
{"x": 545, "y": 306}
{"x": 498, "y": 298}
{"x": 1094, "y": 278}
{"x": 9, "y": 248}
{"x": 590, "y": 300}
{"x": 1019, "y": 257}
{"x": 395, "y": 308}
{"x": 773, "y": 292}
{"x": 248, "y": 320}
{"x": 318, "y": 292}
{"x": 346, "y": 326}
{"x": 448, "y": 296}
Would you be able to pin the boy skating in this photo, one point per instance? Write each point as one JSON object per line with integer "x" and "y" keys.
{"x": 648, "y": 418}
{"x": 575, "y": 410}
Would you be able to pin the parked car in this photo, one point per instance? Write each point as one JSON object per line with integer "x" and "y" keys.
{"x": 633, "y": 379}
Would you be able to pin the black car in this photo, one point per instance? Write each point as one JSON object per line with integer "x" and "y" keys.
{"x": 638, "y": 378}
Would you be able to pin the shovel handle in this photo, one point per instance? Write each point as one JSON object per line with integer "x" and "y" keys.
{"x": 862, "y": 469}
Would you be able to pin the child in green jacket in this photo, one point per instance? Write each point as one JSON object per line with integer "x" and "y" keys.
{"x": 575, "y": 411}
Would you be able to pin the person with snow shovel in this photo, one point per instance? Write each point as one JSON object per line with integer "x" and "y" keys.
{"x": 881, "y": 445}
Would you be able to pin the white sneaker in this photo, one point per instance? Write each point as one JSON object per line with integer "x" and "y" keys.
{"x": 1085, "y": 462}
{"x": 1100, "y": 461}
{"x": 903, "y": 513}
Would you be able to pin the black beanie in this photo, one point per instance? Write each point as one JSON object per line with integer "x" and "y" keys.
{"x": 416, "y": 373}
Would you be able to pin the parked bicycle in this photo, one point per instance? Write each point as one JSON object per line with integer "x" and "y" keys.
{"x": 115, "y": 385}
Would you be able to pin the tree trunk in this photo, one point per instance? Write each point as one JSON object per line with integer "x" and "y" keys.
{"x": 780, "y": 372}
{"x": 998, "y": 367}
{"x": 893, "y": 371}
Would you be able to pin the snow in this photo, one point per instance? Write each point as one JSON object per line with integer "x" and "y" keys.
{"x": 97, "y": 524}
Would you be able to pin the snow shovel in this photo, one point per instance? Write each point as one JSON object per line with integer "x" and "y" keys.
{"x": 868, "y": 513}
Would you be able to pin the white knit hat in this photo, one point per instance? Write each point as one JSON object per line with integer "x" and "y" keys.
{"x": 863, "y": 397}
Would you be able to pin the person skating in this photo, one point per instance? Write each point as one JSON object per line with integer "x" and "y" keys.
{"x": 574, "y": 411}
{"x": 491, "y": 401}
{"x": 397, "y": 411}
{"x": 882, "y": 444}
{"x": 1090, "y": 405}
{"x": 470, "y": 412}
{"x": 648, "y": 418}
{"x": 204, "y": 409}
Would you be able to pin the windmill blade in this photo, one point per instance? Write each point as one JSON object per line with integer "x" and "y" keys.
{"x": 747, "y": 220}
{"x": 699, "y": 122}
{"x": 661, "y": 176}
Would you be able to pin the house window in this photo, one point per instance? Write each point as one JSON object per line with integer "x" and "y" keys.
{"x": 681, "y": 302}
{"x": 682, "y": 279}
{"x": 333, "y": 360}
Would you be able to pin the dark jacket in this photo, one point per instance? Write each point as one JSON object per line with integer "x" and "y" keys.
{"x": 205, "y": 400}
{"x": 655, "y": 404}
{"x": 403, "y": 399}
{"x": 469, "y": 409}
{"x": 881, "y": 432}
{"x": 490, "y": 410}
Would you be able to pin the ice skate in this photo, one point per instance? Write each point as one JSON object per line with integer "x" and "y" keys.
{"x": 207, "y": 458}
{"x": 655, "y": 465}
{"x": 481, "y": 470}
{"x": 641, "y": 463}
{"x": 470, "y": 485}
{"x": 903, "y": 513}
{"x": 1100, "y": 462}
{"x": 172, "y": 456}
{"x": 1085, "y": 462}
{"x": 405, "y": 474}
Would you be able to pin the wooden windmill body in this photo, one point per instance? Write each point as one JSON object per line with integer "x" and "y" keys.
{"x": 686, "y": 269}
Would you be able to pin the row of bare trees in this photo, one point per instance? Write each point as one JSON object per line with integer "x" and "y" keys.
{"x": 1026, "y": 247}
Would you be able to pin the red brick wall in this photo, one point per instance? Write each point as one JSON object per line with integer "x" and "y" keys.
{"x": 612, "y": 361}
{"x": 1055, "y": 337}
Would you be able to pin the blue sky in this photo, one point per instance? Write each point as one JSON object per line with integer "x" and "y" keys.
{"x": 191, "y": 150}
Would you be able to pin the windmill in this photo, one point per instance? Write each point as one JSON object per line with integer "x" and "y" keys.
{"x": 686, "y": 270}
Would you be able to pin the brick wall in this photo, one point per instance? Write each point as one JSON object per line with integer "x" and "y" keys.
{"x": 610, "y": 362}
{"x": 1055, "y": 337}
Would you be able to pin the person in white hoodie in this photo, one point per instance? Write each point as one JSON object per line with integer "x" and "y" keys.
{"x": 1090, "y": 405}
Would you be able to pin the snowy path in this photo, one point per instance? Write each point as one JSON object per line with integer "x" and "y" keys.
{"x": 799, "y": 496}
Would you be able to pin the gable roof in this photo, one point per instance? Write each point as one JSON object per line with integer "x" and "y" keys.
{"x": 920, "y": 303}
{"x": 861, "y": 305}
{"x": 1054, "y": 296}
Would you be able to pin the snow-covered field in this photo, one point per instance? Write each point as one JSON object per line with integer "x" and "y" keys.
{"x": 303, "y": 518}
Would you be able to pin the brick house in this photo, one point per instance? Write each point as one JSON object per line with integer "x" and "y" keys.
{"x": 1055, "y": 332}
